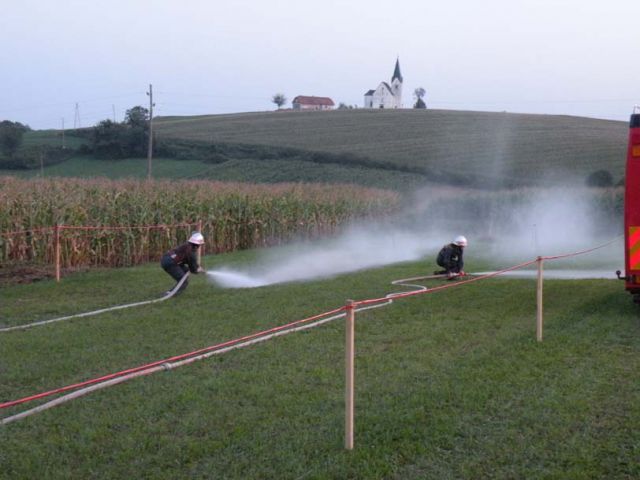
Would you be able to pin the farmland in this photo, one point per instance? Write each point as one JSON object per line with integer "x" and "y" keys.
{"x": 401, "y": 150}
{"x": 233, "y": 216}
{"x": 449, "y": 385}
{"x": 517, "y": 147}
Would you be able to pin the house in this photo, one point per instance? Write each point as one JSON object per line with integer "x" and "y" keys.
{"x": 386, "y": 95}
{"x": 302, "y": 102}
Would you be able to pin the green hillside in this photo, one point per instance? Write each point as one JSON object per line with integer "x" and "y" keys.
{"x": 523, "y": 148}
{"x": 397, "y": 149}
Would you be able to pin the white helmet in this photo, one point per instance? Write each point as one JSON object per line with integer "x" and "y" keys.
{"x": 196, "y": 238}
{"x": 460, "y": 240}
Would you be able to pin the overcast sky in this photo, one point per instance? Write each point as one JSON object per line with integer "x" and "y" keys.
{"x": 575, "y": 57}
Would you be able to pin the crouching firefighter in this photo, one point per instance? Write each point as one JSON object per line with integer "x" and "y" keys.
{"x": 450, "y": 258}
{"x": 182, "y": 259}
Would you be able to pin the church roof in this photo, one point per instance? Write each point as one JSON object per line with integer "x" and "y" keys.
{"x": 370, "y": 92}
{"x": 388, "y": 87}
{"x": 396, "y": 71}
{"x": 304, "y": 100}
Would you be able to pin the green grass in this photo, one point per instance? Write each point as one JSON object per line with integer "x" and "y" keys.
{"x": 51, "y": 137}
{"x": 90, "y": 167}
{"x": 449, "y": 385}
{"x": 521, "y": 147}
{"x": 399, "y": 149}
{"x": 252, "y": 171}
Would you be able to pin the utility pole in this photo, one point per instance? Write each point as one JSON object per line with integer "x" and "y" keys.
{"x": 76, "y": 118}
{"x": 150, "y": 150}
{"x": 114, "y": 112}
{"x": 63, "y": 143}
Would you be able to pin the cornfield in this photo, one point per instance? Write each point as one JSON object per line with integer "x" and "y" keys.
{"x": 126, "y": 222}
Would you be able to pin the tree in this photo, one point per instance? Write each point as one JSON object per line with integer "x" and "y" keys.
{"x": 11, "y": 134}
{"x": 279, "y": 99}
{"x": 135, "y": 138}
{"x": 419, "y": 93}
{"x": 137, "y": 117}
{"x": 107, "y": 141}
{"x": 600, "y": 178}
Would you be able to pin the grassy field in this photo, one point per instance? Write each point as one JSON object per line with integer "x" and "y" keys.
{"x": 513, "y": 146}
{"x": 449, "y": 386}
{"x": 246, "y": 170}
{"x": 401, "y": 149}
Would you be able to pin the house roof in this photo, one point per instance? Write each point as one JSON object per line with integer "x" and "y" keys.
{"x": 396, "y": 71}
{"x": 305, "y": 100}
{"x": 370, "y": 92}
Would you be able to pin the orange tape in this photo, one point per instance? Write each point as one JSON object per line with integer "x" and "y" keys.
{"x": 634, "y": 248}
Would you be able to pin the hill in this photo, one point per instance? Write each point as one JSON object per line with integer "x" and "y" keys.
{"x": 398, "y": 149}
{"x": 515, "y": 147}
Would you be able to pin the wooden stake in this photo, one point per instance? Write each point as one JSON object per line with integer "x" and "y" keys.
{"x": 56, "y": 235}
{"x": 539, "y": 319}
{"x": 349, "y": 374}
{"x": 201, "y": 246}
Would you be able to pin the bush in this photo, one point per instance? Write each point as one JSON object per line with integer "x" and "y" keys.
{"x": 600, "y": 178}
{"x": 30, "y": 158}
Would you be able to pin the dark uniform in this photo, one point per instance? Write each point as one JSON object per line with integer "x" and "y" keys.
{"x": 450, "y": 258}
{"x": 180, "y": 260}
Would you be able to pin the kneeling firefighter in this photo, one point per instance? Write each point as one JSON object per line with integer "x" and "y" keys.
{"x": 182, "y": 259}
{"x": 450, "y": 258}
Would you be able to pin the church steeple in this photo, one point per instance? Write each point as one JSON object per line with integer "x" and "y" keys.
{"x": 396, "y": 71}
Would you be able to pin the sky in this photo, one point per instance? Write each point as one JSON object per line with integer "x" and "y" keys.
{"x": 74, "y": 63}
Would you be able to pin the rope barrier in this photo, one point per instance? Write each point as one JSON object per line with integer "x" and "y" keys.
{"x": 190, "y": 357}
{"x": 444, "y": 287}
{"x": 33, "y": 230}
{"x": 582, "y": 252}
{"x": 165, "y": 361}
{"x": 89, "y": 227}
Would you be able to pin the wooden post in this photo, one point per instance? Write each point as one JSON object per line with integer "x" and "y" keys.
{"x": 539, "y": 319}
{"x": 150, "y": 146}
{"x": 201, "y": 246}
{"x": 56, "y": 236}
{"x": 349, "y": 374}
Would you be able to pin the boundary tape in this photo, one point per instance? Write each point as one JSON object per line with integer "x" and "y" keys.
{"x": 187, "y": 358}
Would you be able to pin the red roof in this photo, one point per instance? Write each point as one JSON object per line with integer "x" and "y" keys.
{"x": 303, "y": 100}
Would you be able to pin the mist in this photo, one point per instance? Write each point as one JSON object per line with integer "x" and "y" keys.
{"x": 358, "y": 248}
{"x": 502, "y": 228}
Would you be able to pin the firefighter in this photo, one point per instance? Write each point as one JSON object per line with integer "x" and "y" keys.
{"x": 450, "y": 258}
{"x": 182, "y": 259}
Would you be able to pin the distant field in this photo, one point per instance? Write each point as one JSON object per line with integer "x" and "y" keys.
{"x": 515, "y": 146}
{"x": 52, "y": 137}
{"x": 90, "y": 167}
{"x": 401, "y": 150}
{"x": 236, "y": 170}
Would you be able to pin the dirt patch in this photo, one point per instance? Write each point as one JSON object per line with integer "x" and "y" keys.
{"x": 18, "y": 274}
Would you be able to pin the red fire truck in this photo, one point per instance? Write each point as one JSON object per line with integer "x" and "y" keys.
{"x": 632, "y": 210}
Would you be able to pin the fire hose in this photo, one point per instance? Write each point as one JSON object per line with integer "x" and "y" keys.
{"x": 166, "y": 296}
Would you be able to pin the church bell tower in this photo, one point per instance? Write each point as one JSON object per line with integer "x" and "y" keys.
{"x": 396, "y": 84}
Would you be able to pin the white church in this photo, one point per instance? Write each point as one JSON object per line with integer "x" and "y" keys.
{"x": 386, "y": 96}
